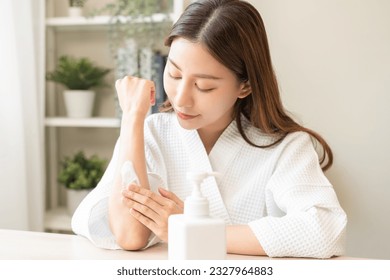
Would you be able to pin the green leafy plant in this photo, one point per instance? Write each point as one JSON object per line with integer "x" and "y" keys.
{"x": 77, "y": 3}
{"x": 146, "y": 21}
{"x": 79, "y": 172}
{"x": 78, "y": 73}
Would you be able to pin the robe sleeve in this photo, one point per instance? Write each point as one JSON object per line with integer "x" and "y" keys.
{"x": 304, "y": 217}
{"x": 91, "y": 217}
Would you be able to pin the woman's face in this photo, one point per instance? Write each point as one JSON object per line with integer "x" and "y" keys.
{"x": 201, "y": 90}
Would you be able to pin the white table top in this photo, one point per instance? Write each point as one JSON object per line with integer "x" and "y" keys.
{"x": 27, "y": 245}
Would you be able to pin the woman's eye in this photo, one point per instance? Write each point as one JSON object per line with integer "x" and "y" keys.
{"x": 174, "y": 76}
{"x": 203, "y": 89}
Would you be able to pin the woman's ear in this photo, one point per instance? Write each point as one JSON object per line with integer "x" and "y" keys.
{"x": 245, "y": 90}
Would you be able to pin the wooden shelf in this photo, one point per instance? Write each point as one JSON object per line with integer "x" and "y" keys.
{"x": 77, "y": 21}
{"x": 58, "y": 219}
{"x": 88, "y": 122}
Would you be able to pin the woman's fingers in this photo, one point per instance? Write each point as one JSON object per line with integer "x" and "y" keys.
{"x": 142, "y": 219}
{"x": 153, "y": 96}
{"x": 145, "y": 211}
{"x": 145, "y": 207}
{"x": 144, "y": 200}
{"x": 142, "y": 208}
{"x": 170, "y": 202}
{"x": 151, "y": 209}
{"x": 148, "y": 194}
{"x": 135, "y": 94}
{"x": 159, "y": 229}
{"x": 147, "y": 200}
{"x": 170, "y": 195}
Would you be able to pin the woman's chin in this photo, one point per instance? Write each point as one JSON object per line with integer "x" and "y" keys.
{"x": 187, "y": 124}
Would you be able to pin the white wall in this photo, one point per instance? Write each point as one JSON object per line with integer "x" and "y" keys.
{"x": 332, "y": 59}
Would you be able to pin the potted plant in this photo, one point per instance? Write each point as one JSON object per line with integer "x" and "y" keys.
{"x": 80, "y": 174}
{"x": 76, "y": 8}
{"x": 78, "y": 75}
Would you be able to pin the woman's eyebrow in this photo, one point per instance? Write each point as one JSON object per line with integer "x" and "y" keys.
{"x": 202, "y": 76}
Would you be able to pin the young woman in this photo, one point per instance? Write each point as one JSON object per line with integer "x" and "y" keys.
{"x": 223, "y": 114}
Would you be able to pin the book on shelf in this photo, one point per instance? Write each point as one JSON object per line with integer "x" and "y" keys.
{"x": 158, "y": 66}
{"x": 144, "y": 63}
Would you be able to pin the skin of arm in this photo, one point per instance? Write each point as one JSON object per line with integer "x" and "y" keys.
{"x": 133, "y": 94}
{"x": 241, "y": 240}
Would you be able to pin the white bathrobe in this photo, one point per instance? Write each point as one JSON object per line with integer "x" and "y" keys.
{"x": 280, "y": 192}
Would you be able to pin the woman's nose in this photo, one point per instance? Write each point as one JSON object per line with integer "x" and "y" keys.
{"x": 183, "y": 98}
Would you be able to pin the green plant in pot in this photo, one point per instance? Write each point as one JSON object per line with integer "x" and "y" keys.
{"x": 79, "y": 175}
{"x": 76, "y": 8}
{"x": 79, "y": 76}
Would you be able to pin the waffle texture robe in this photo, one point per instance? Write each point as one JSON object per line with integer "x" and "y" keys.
{"x": 280, "y": 192}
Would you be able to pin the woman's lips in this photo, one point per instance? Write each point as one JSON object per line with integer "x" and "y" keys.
{"x": 185, "y": 116}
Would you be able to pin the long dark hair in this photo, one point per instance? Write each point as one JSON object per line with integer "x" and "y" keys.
{"x": 234, "y": 34}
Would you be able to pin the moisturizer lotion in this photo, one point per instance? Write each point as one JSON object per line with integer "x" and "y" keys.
{"x": 195, "y": 235}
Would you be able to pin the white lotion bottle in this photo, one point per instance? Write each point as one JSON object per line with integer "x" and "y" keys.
{"x": 195, "y": 235}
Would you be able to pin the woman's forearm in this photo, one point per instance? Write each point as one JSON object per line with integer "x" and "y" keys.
{"x": 129, "y": 233}
{"x": 241, "y": 240}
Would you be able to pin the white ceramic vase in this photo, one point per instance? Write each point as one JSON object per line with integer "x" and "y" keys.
{"x": 79, "y": 103}
{"x": 75, "y": 12}
{"x": 74, "y": 198}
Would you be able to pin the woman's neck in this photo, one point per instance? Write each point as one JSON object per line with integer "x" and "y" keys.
{"x": 209, "y": 136}
{"x": 209, "y": 139}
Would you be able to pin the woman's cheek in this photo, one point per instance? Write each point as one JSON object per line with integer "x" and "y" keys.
{"x": 168, "y": 85}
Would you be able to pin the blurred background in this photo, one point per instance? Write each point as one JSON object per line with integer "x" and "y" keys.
{"x": 331, "y": 58}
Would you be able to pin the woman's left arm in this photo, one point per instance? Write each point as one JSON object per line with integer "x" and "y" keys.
{"x": 241, "y": 240}
{"x": 304, "y": 217}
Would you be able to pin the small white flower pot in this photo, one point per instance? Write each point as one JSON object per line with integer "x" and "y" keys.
{"x": 79, "y": 103}
{"x": 74, "y": 198}
{"x": 75, "y": 12}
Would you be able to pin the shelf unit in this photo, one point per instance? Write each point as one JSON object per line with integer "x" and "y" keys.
{"x": 96, "y": 21}
{"x": 56, "y": 216}
{"x": 58, "y": 220}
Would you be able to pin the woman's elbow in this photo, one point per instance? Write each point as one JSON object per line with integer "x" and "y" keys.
{"x": 334, "y": 241}
{"x": 131, "y": 238}
{"x": 129, "y": 234}
{"x": 131, "y": 243}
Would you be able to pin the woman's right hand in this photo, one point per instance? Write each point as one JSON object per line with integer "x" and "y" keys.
{"x": 135, "y": 95}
